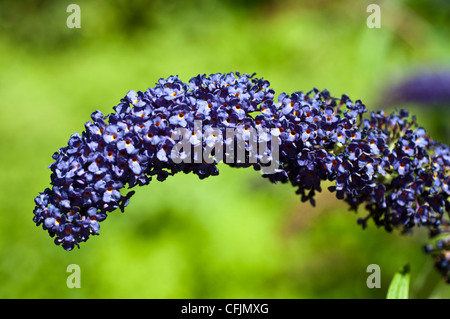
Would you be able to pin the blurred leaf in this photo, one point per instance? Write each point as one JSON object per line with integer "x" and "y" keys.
{"x": 399, "y": 287}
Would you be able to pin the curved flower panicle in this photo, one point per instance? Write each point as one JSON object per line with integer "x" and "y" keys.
{"x": 384, "y": 162}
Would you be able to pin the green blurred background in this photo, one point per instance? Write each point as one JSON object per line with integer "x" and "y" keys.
{"x": 234, "y": 235}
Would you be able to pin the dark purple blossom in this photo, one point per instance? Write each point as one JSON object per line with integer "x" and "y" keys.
{"x": 385, "y": 162}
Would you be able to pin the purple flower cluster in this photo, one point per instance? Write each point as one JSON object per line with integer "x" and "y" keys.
{"x": 430, "y": 88}
{"x": 384, "y": 162}
{"x": 135, "y": 145}
{"x": 440, "y": 251}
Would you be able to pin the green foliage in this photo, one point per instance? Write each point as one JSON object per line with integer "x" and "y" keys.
{"x": 399, "y": 287}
